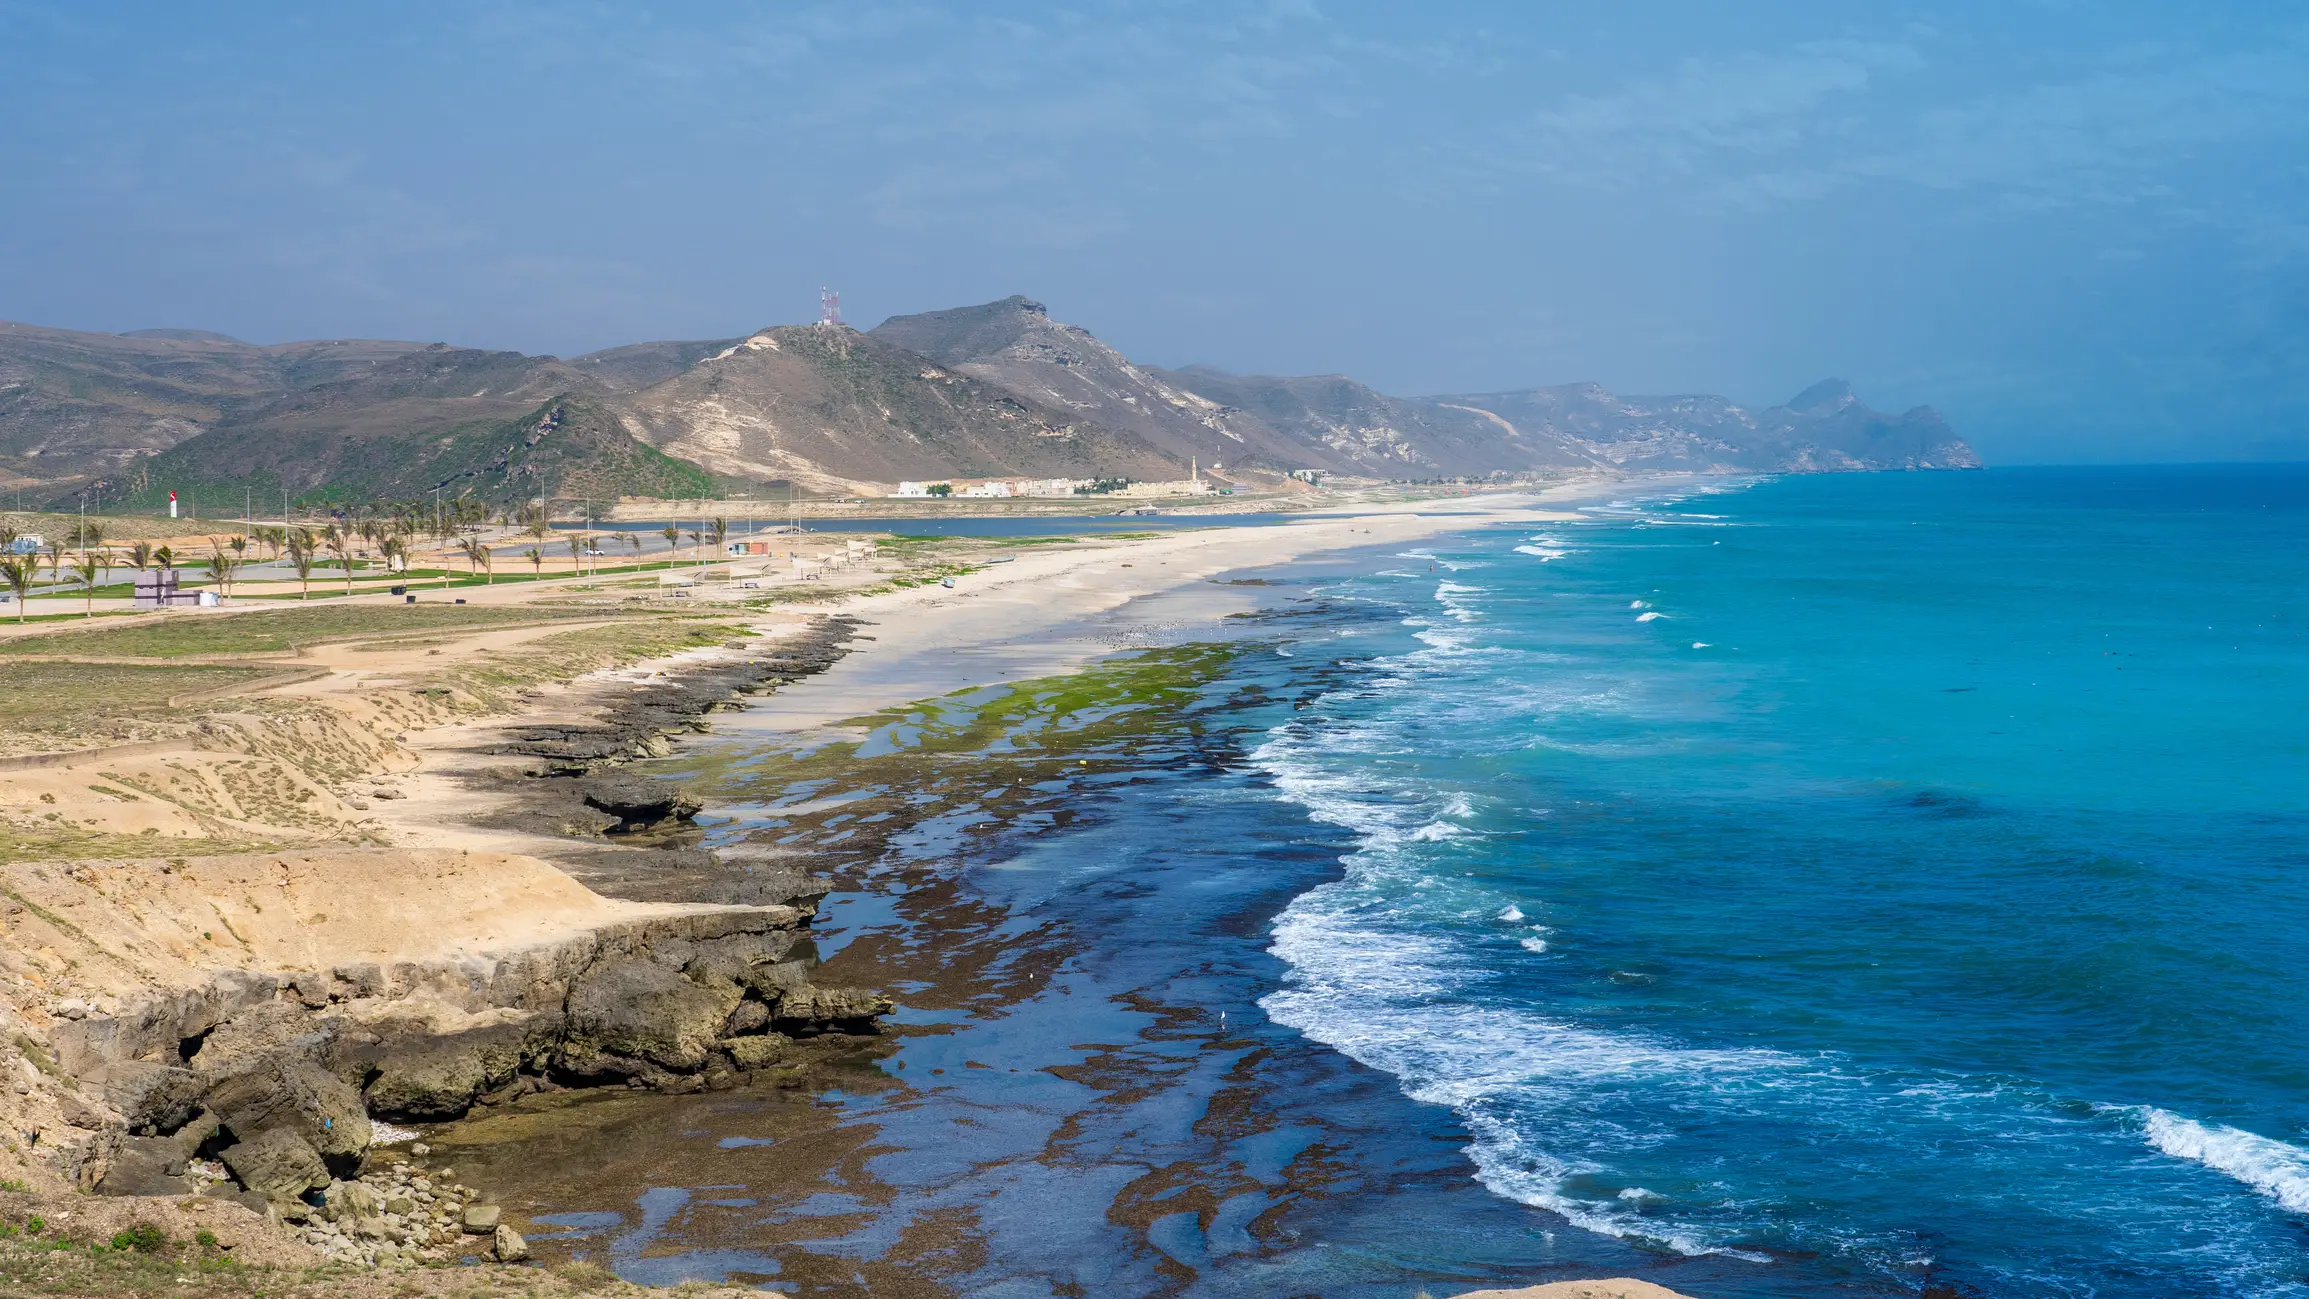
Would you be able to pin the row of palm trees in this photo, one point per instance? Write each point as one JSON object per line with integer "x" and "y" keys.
{"x": 89, "y": 566}
{"x": 386, "y": 528}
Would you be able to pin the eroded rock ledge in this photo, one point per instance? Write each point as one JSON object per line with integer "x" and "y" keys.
{"x": 278, "y": 1075}
{"x": 637, "y": 725}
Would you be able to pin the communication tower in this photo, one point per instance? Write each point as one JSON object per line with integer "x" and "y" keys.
{"x": 829, "y": 309}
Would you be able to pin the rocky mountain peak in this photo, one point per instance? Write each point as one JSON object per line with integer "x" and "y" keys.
{"x": 1014, "y": 344}
{"x": 1823, "y": 398}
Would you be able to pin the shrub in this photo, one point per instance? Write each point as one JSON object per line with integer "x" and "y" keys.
{"x": 144, "y": 1238}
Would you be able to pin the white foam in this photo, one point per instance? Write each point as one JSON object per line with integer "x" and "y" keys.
{"x": 1546, "y": 554}
{"x": 1454, "y": 597}
{"x": 1639, "y": 604}
{"x": 1392, "y": 995}
{"x": 1371, "y": 976}
{"x": 1699, "y": 644}
{"x": 382, "y": 1133}
{"x": 1535, "y": 1177}
{"x": 1648, "y": 615}
{"x": 1448, "y": 565}
{"x": 2269, "y": 1166}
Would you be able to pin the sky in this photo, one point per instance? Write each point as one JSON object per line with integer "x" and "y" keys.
{"x": 2078, "y": 230}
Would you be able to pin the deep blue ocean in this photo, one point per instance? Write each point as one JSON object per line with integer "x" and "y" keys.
{"x": 1853, "y": 885}
{"x": 1906, "y": 876}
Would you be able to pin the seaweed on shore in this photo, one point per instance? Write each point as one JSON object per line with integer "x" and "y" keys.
{"x": 1031, "y": 755}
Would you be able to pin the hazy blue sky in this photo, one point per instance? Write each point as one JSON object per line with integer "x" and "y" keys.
{"x": 2078, "y": 229}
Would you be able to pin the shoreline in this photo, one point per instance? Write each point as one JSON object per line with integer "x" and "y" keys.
{"x": 979, "y": 968}
{"x": 921, "y": 643}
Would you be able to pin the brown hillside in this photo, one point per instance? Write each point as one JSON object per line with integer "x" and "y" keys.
{"x": 841, "y": 411}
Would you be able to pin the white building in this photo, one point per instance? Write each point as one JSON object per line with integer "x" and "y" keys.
{"x": 993, "y": 488}
{"x": 1177, "y": 487}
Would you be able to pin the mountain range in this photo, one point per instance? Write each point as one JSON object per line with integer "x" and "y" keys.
{"x": 992, "y": 390}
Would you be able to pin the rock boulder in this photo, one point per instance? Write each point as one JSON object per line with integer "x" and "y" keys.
{"x": 640, "y": 1011}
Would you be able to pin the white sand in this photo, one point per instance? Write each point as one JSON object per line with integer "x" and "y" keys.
{"x": 1029, "y": 618}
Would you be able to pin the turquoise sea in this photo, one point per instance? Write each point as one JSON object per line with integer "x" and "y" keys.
{"x": 1865, "y": 885}
{"x": 1894, "y": 878}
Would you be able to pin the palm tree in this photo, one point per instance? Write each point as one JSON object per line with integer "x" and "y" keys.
{"x": 536, "y": 560}
{"x": 721, "y": 534}
{"x": 672, "y": 534}
{"x": 633, "y": 539}
{"x": 164, "y": 558}
{"x": 577, "y": 542}
{"x": 20, "y": 571}
{"x": 221, "y": 568}
{"x": 140, "y": 555}
{"x": 340, "y": 544}
{"x": 86, "y": 571}
{"x": 477, "y": 554}
{"x": 274, "y": 539}
{"x": 696, "y": 538}
{"x": 300, "y": 545}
